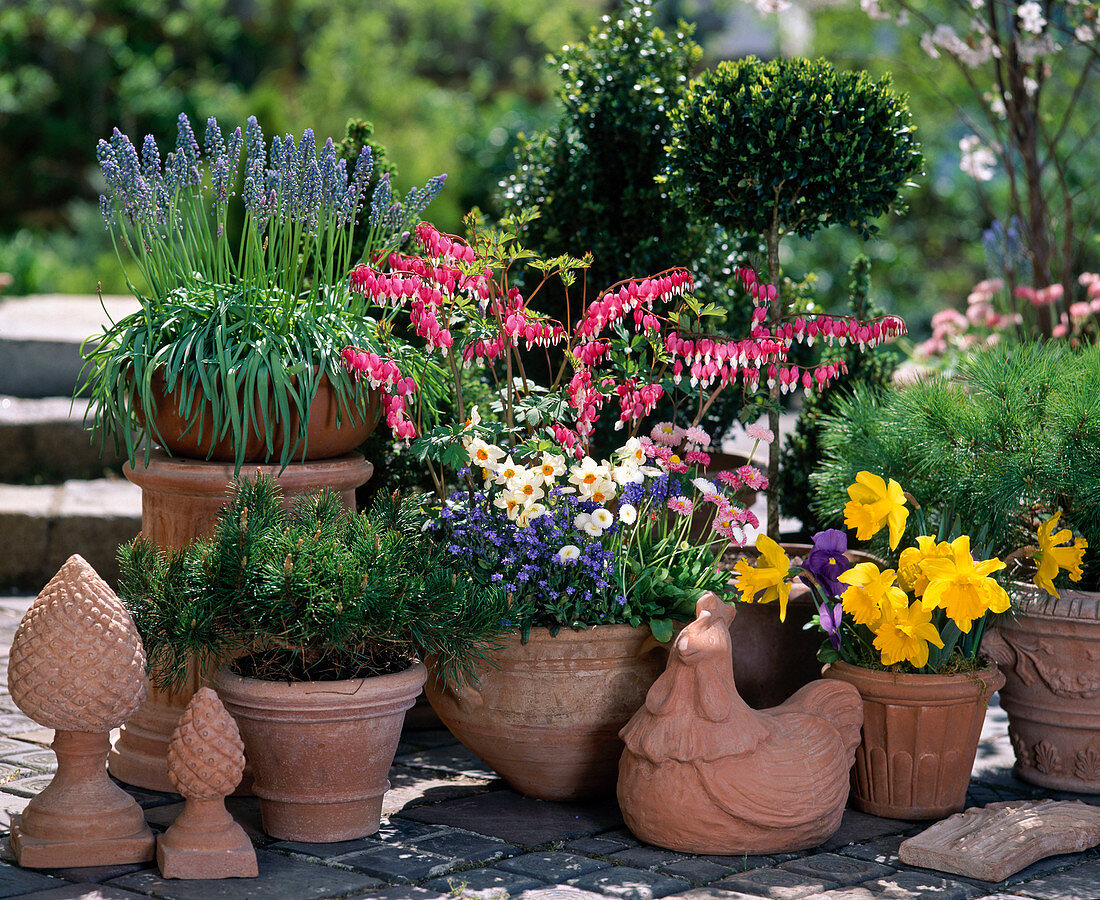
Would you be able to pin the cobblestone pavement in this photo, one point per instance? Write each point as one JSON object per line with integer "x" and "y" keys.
{"x": 451, "y": 829}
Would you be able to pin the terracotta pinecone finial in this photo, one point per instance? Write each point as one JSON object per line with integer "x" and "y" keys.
{"x": 77, "y": 666}
{"x": 206, "y": 753}
{"x": 77, "y": 663}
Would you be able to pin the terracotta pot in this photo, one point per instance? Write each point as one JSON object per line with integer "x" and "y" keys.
{"x": 320, "y": 751}
{"x": 324, "y": 437}
{"x": 547, "y": 718}
{"x": 180, "y": 501}
{"x": 920, "y": 737}
{"x": 773, "y": 659}
{"x": 1050, "y": 653}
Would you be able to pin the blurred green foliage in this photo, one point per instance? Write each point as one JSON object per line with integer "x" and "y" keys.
{"x": 446, "y": 83}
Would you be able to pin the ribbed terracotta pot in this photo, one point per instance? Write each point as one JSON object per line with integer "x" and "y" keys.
{"x": 320, "y": 751}
{"x": 331, "y": 431}
{"x": 547, "y": 717}
{"x": 1050, "y": 653}
{"x": 180, "y": 501}
{"x": 920, "y": 737}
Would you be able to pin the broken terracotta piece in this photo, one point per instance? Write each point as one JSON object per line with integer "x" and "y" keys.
{"x": 77, "y": 666}
{"x": 205, "y": 763}
{"x": 992, "y": 842}
{"x": 705, "y": 773}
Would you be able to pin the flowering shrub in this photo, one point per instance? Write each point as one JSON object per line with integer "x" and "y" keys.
{"x": 927, "y": 614}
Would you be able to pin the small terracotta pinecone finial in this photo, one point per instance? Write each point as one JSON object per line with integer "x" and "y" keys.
{"x": 77, "y": 666}
{"x": 206, "y": 753}
{"x": 205, "y": 764}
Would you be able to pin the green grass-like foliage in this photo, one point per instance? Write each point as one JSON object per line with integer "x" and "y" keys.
{"x": 1013, "y": 437}
{"x": 790, "y": 145}
{"x": 233, "y": 361}
{"x": 316, "y": 593}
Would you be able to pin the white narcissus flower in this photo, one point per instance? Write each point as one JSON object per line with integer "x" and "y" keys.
{"x": 569, "y": 552}
{"x": 628, "y": 474}
{"x": 510, "y": 503}
{"x": 550, "y": 467}
{"x": 529, "y": 513}
{"x": 586, "y": 473}
{"x": 526, "y": 487}
{"x": 474, "y": 419}
{"x": 506, "y": 471}
{"x": 601, "y": 491}
{"x": 631, "y": 453}
{"x": 628, "y": 513}
{"x": 483, "y": 454}
{"x": 603, "y": 517}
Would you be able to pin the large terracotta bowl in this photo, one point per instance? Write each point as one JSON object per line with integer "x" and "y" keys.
{"x": 547, "y": 717}
{"x": 331, "y": 431}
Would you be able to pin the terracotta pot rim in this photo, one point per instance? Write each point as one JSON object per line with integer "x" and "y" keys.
{"x": 988, "y": 676}
{"x": 346, "y": 692}
{"x": 1038, "y": 604}
{"x": 613, "y": 632}
{"x": 195, "y": 476}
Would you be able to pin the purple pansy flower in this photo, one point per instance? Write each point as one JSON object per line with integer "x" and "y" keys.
{"x": 830, "y": 623}
{"x": 826, "y": 560}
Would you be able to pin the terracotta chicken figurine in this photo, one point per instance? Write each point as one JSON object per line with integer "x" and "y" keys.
{"x": 703, "y": 772}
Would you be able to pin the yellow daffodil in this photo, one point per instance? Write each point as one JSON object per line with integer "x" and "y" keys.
{"x": 961, "y": 586}
{"x": 906, "y": 636}
{"x": 873, "y": 504}
{"x": 768, "y": 577}
{"x": 1053, "y": 558}
{"x": 910, "y": 575}
{"x": 871, "y": 593}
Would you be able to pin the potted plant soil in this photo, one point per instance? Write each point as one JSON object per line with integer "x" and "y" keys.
{"x": 313, "y": 622}
{"x": 1011, "y": 442}
{"x": 908, "y": 637}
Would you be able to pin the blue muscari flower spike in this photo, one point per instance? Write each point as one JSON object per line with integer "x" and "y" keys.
{"x": 311, "y": 191}
{"x": 380, "y": 202}
{"x": 187, "y": 152}
{"x": 233, "y": 155}
{"x": 289, "y": 201}
{"x": 360, "y": 178}
{"x": 219, "y": 179}
{"x": 329, "y": 198}
{"x": 214, "y": 143}
{"x": 150, "y": 159}
{"x": 254, "y": 187}
{"x": 254, "y": 142}
{"x": 106, "y": 209}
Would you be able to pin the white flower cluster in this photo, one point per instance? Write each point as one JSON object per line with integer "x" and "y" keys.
{"x": 525, "y": 487}
{"x": 977, "y": 161}
{"x": 973, "y": 54}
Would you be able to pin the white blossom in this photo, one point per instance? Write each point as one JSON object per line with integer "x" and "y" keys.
{"x": 767, "y": 7}
{"x": 1030, "y": 85}
{"x": 1030, "y": 15}
{"x": 873, "y": 10}
{"x": 977, "y": 160}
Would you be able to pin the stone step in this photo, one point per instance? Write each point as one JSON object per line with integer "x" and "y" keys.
{"x": 43, "y": 525}
{"x": 44, "y": 440}
{"x": 40, "y": 338}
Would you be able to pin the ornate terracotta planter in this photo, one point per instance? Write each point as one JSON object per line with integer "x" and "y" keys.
{"x": 320, "y": 751}
{"x": 920, "y": 737}
{"x": 1050, "y": 653}
{"x": 180, "y": 501}
{"x": 324, "y": 437}
{"x": 548, "y": 719}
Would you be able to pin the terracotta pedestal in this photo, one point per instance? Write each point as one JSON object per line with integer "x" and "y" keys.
{"x": 82, "y": 818}
{"x": 180, "y": 501}
{"x": 205, "y": 762}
